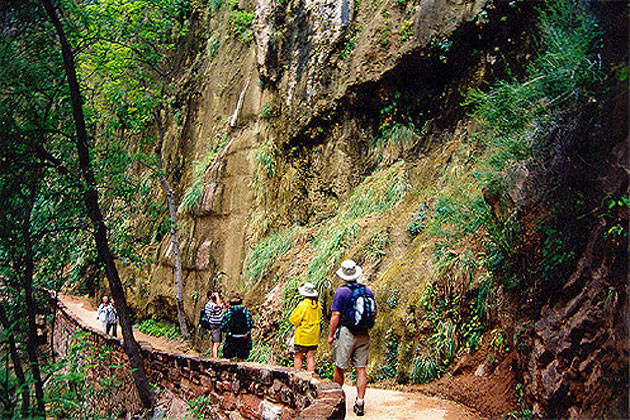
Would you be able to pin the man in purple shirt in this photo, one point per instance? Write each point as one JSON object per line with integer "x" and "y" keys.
{"x": 349, "y": 346}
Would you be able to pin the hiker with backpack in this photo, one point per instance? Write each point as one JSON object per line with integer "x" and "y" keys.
{"x": 353, "y": 314}
{"x": 211, "y": 319}
{"x": 306, "y": 317}
{"x": 111, "y": 319}
{"x": 237, "y": 325}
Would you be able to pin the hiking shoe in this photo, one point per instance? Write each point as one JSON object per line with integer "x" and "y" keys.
{"x": 358, "y": 409}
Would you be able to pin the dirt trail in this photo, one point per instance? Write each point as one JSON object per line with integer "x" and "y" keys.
{"x": 87, "y": 312}
{"x": 380, "y": 404}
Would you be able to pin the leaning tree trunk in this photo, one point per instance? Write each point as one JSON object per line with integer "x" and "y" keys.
{"x": 17, "y": 363}
{"x": 94, "y": 213}
{"x": 31, "y": 310}
{"x": 172, "y": 210}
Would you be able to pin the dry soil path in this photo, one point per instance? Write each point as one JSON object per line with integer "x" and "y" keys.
{"x": 380, "y": 404}
{"x": 84, "y": 309}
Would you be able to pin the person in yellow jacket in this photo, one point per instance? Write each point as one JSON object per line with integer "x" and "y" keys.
{"x": 306, "y": 317}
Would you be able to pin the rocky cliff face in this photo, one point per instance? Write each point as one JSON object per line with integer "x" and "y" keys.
{"x": 294, "y": 109}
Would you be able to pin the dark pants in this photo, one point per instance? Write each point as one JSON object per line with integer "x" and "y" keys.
{"x": 111, "y": 327}
{"x": 237, "y": 347}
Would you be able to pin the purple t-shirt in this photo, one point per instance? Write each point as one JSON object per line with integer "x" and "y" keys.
{"x": 342, "y": 297}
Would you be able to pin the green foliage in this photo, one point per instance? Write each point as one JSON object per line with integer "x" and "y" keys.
{"x": 375, "y": 249}
{"x": 267, "y": 252}
{"x": 498, "y": 340}
{"x": 559, "y": 79}
{"x": 266, "y": 111}
{"x": 261, "y": 353}
{"x": 67, "y": 387}
{"x": 201, "y": 408}
{"x": 215, "y": 5}
{"x": 266, "y": 158}
{"x": 191, "y": 200}
{"x": 525, "y": 412}
{"x": 442, "y": 45}
{"x": 347, "y": 49}
{"x": 392, "y": 350}
{"x": 137, "y": 39}
{"x": 325, "y": 369}
{"x": 393, "y": 299}
{"x": 213, "y": 46}
{"x": 9, "y": 387}
{"x": 241, "y": 22}
{"x": 265, "y": 168}
{"x": 426, "y": 367}
{"x": 615, "y": 213}
{"x": 401, "y": 136}
{"x": 472, "y": 332}
{"x": 377, "y": 193}
{"x": 159, "y": 329}
{"x": 418, "y": 222}
{"x": 329, "y": 247}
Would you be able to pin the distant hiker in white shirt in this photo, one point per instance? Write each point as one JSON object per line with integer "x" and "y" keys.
{"x": 101, "y": 312}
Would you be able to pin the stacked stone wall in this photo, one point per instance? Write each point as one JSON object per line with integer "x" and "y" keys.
{"x": 253, "y": 390}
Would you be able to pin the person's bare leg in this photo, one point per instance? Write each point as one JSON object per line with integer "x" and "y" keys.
{"x": 361, "y": 383}
{"x": 215, "y": 349}
{"x": 338, "y": 376}
{"x": 310, "y": 361}
{"x": 297, "y": 360}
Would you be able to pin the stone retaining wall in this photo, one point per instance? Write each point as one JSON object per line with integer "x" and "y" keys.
{"x": 253, "y": 390}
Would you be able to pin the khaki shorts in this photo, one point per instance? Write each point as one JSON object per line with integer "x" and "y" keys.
{"x": 349, "y": 347}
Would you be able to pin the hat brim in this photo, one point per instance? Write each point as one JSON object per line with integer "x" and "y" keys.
{"x": 304, "y": 293}
{"x": 353, "y": 277}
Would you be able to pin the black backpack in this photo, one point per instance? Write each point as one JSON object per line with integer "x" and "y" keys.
{"x": 360, "y": 311}
{"x": 238, "y": 323}
{"x": 204, "y": 322}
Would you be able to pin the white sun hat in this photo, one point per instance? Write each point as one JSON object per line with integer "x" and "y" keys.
{"x": 308, "y": 290}
{"x": 349, "y": 271}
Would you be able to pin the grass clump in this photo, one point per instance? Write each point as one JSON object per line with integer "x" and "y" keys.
{"x": 159, "y": 329}
{"x": 419, "y": 220}
{"x": 379, "y": 192}
{"x": 261, "y": 353}
{"x": 392, "y": 350}
{"x": 425, "y": 368}
{"x": 375, "y": 249}
{"x": 191, "y": 200}
{"x": 266, "y": 252}
{"x": 265, "y": 168}
{"x": 329, "y": 247}
{"x": 517, "y": 116}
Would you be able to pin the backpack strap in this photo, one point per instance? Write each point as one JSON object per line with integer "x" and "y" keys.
{"x": 348, "y": 305}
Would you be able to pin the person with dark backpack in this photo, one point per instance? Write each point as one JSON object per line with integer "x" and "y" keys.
{"x": 237, "y": 325}
{"x": 353, "y": 314}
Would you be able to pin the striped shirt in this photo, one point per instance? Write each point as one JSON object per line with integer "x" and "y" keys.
{"x": 214, "y": 314}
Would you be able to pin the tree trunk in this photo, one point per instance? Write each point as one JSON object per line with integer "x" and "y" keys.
{"x": 172, "y": 210}
{"x": 94, "y": 213}
{"x": 31, "y": 310}
{"x": 17, "y": 363}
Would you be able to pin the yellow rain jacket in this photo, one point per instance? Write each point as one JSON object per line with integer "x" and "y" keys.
{"x": 306, "y": 317}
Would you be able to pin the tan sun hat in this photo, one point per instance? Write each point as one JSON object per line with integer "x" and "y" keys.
{"x": 349, "y": 271}
{"x": 308, "y": 290}
{"x": 236, "y": 298}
